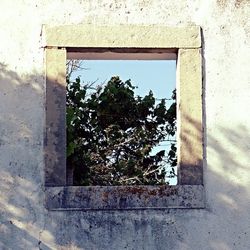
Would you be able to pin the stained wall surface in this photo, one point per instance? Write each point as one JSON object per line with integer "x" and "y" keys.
{"x": 223, "y": 224}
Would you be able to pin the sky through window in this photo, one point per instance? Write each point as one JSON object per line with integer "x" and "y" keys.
{"x": 156, "y": 75}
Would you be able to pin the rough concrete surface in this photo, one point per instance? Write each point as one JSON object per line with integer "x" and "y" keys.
{"x": 224, "y": 224}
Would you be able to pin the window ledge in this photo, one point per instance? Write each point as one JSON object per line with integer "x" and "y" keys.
{"x": 124, "y": 197}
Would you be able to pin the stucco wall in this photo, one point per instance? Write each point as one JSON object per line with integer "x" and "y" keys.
{"x": 224, "y": 224}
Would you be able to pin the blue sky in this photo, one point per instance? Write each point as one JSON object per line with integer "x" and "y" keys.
{"x": 157, "y": 75}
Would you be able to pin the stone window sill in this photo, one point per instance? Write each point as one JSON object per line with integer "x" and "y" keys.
{"x": 124, "y": 197}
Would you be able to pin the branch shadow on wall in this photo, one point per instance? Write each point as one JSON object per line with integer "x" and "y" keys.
{"x": 25, "y": 223}
{"x": 21, "y": 165}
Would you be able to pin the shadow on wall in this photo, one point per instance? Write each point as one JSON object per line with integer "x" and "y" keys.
{"x": 228, "y": 182}
{"x": 25, "y": 224}
{"x": 21, "y": 164}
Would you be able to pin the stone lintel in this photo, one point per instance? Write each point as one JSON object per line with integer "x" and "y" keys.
{"x": 122, "y": 36}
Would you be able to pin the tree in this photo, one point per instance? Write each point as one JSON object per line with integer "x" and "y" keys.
{"x": 111, "y": 133}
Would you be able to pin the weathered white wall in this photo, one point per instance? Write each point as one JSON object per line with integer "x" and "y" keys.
{"x": 224, "y": 224}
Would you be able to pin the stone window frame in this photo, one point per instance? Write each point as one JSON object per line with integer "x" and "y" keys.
{"x": 130, "y": 41}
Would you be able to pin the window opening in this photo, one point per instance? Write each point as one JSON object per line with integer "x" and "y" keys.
{"x": 125, "y": 42}
{"x": 121, "y": 122}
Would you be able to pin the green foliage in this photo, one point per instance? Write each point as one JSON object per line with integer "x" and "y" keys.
{"x": 111, "y": 133}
